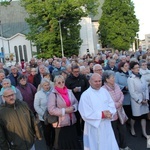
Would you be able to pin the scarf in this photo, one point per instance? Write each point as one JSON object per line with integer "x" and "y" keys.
{"x": 108, "y": 87}
{"x": 46, "y": 92}
{"x": 126, "y": 73}
{"x": 137, "y": 75}
{"x": 64, "y": 93}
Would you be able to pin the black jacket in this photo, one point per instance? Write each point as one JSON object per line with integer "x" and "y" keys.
{"x": 80, "y": 81}
{"x": 37, "y": 80}
{"x": 6, "y": 72}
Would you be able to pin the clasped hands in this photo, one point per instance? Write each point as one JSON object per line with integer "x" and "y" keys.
{"x": 69, "y": 109}
{"x": 107, "y": 114}
{"x": 145, "y": 101}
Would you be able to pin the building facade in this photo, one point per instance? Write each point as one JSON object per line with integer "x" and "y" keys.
{"x": 13, "y": 29}
{"x": 147, "y": 41}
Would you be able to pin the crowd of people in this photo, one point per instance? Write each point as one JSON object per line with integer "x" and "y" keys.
{"x": 85, "y": 93}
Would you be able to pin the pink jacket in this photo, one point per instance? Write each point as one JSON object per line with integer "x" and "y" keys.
{"x": 116, "y": 95}
{"x": 64, "y": 119}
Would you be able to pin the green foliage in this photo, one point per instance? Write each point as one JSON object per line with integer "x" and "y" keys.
{"x": 5, "y": 3}
{"x": 44, "y": 18}
{"x": 118, "y": 24}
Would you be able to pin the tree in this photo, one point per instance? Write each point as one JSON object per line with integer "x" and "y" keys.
{"x": 44, "y": 18}
{"x": 5, "y": 2}
{"x": 118, "y": 24}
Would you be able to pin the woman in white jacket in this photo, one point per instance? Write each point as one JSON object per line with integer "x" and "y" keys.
{"x": 138, "y": 89}
{"x": 144, "y": 71}
{"x": 40, "y": 105}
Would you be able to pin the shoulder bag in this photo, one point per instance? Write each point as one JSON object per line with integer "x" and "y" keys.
{"x": 48, "y": 118}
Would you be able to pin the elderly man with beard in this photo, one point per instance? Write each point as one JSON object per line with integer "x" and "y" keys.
{"x": 18, "y": 128}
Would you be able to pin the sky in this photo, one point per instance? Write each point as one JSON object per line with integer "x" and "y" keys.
{"x": 142, "y": 12}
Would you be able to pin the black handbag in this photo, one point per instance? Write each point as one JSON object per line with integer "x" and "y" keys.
{"x": 48, "y": 118}
{"x": 124, "y": 91}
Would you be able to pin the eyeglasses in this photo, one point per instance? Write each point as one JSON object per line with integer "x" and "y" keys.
{"x": 144, "y": 64}
{"x": 8, "y": 96}
{"x": 98, "y": 70}
{"x": 136, "y": 67}
{"x": 75, "y": 71}
{"x": 61, "y": 82}
{"x": 23, "y": 79}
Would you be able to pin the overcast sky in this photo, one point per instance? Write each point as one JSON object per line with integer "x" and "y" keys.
{"x": 142, "y": 10}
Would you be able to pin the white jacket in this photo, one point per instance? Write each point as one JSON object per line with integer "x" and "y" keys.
{"x": 138, "y": 89}
{"x": 145, "y": 74}
{"x": 40, "y": 103}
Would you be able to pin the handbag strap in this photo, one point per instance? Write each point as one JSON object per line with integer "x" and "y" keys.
{"x": 56, "y": 106}
{"x": 55, "y": 99}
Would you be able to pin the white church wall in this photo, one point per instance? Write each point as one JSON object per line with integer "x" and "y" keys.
{"x": 86, "y": 34}
{"x": 18, "y": 41}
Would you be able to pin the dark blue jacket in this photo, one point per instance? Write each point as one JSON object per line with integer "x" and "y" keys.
{"x": 108, "y": 68}
{"x": 13, "y": 79}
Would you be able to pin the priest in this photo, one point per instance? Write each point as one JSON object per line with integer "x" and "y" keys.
{"x": 97, "y": 109}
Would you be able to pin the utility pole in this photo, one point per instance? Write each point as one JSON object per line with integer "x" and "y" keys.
{"x": 61, "y": 39}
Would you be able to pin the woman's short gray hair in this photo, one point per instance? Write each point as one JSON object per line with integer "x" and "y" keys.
{"x": 107, "y": 74}
{"x": 142, "y": 61}
{"x": 133, "y": 59}
{"x": 6, "y": 80}
{"x": 57, "y": 77}
{"x": 44, "y": 80}
{"x": 82, "y": 68}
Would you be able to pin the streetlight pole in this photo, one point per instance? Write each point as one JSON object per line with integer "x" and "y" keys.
{"x": 61, "y": 39}
{"x": 1, "y": 32}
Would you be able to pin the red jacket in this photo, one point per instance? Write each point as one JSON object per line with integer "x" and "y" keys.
{"x": 30, "y": 78}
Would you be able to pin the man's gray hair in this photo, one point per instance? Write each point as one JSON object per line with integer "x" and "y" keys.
{"x": 107, "y": 74}
{"x": 93, "y": 74}
{"x": 111, "y": 60}
{"x": 96, "y": 65}
{"x": 7, "y": 89}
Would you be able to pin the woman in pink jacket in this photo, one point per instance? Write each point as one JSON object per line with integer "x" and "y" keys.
{"x": 62, "y": 103}
{"x": 117, "y": 96}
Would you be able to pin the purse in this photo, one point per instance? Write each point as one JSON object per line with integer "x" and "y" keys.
{"x": 122, "y": 115}
{"x": 48, "y": 118}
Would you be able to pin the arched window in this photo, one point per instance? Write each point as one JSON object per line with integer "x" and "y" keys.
{"x": 25, "y": 53}
{"x": 20, "y": 52}
{"x": 16, "y": 53}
